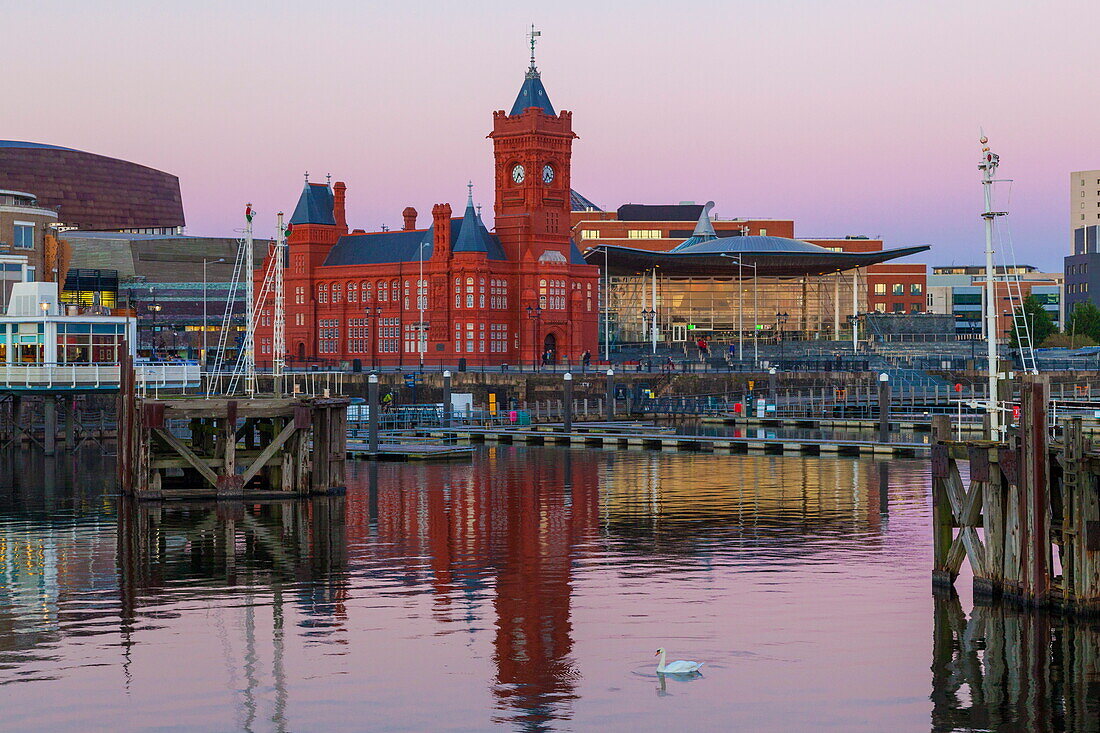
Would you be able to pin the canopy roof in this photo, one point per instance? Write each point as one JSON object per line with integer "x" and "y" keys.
{"x": 771, "y": 256}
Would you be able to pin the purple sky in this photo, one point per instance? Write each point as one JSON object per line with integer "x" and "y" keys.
{"x": 849, "y": 116}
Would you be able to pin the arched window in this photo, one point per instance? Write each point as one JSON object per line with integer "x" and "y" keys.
{"x": 353, "y": 292}
{"x": 383, "y": 291}
{"x": 337, "y": 292}
{"x": 367, "y": 292}
{"x": 322, "y": 293}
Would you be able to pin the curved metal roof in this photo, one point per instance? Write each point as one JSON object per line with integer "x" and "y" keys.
{"x": 787, "y": 261}
{"x": 739, "y": 245}
{"x": 21, "y": 144}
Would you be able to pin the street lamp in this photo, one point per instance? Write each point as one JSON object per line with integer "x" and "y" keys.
{"x": 153, "y": 309}
{"x": 372, "y": 313}
{"x": 741, "y": 308}
{"x": 204, "y": 346}
{"x": 780, "y": 320}
{"x": 647, "y": 315}
{"x": 535, "y": 314}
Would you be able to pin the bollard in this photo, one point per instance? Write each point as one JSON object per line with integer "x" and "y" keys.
{"x": 610, "y": 402}
{"x": 372, "y": 416}
{"x": 884, "y": 408}
{"x": 447, "y": 409}
{"x": 567, "y": 413}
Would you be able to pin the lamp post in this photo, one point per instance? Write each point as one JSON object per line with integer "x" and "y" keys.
{"x": 204, "y": 263}
{"x": 741, "y": 307}
{"x": 780, "y": 321}
{"x": 372, "y": 312}
{"x": 649, "y": 321}
{"x": 45, "y": 308}
{"x": 153, "y": 309}
{"x": 535, "y": 314}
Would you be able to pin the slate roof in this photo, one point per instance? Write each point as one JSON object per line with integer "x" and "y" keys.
{"x": 579, "y": 202}
{"x": 532, "y": 94}
{"x": 380, "y": 248}
{"x": 575, "y": 256}
{"x": 314, "y": 206}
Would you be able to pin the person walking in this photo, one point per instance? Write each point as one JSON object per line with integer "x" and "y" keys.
{"x": 586, "y": 360}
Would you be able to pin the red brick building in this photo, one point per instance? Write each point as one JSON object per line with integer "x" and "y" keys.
{"x": 455, "y": 290}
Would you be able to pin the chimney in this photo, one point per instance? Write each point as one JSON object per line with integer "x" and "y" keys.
{"x": 441, "y": 231}
{"x": 338, "y": 211}
{"x": 410, "y": 218}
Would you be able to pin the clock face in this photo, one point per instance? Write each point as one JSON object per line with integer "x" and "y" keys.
{"x": 518, "y": 174}
{"x": 548, "y": 174}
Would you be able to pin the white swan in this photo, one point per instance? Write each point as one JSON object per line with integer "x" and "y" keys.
{"x": 677, "y": 667}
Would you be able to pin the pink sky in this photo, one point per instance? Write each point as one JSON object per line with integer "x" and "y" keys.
{"x": 849, "y": 116}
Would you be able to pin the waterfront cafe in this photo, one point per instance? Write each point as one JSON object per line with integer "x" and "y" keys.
{"x": 44, "y": 345}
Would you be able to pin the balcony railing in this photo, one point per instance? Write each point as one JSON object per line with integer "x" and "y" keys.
{"x": 96, "y": 376}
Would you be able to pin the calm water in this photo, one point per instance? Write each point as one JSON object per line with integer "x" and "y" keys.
{"x": 526, "y": 590}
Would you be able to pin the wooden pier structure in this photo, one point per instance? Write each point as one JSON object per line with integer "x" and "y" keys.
{"x": 1036, "y": 503}
{"x": 226, "y": 448}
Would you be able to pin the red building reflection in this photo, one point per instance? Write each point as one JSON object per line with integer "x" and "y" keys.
{"x": 515, "y": 521}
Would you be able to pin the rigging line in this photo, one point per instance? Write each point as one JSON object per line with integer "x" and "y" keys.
{"x": 227, "y": 316}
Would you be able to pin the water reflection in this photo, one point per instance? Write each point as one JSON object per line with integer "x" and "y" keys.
{"x": 514, "y": 589}
{"x": 1007, "y": 668}
{"x": 514, "y": 525}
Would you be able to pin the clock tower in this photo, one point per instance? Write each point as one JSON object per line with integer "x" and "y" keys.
{"x": 532, "y": 145}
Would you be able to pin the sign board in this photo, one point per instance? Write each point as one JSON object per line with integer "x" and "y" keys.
{"x": 691, "y": 326}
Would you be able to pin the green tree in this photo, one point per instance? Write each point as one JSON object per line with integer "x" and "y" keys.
{"x": 1039, "y": 321}
{"x": 1084, "y": 321}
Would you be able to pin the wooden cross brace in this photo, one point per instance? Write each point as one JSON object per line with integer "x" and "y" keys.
{"x": 208, "y": 473}
{"x": 966, "y": 509}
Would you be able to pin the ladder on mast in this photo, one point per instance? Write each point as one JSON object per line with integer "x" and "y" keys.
{"x": 1020, "y": 325}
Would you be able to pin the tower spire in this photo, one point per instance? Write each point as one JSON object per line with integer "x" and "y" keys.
{"x": 469, "y": 194}
{"x": 532, "y": 93}
{"x": 533, "y": 72}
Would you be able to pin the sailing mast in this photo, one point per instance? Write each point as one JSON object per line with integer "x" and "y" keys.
{"x": 248, "y": 348}
{"x": 988, "y": 167}
{"x": 279, "y": 322}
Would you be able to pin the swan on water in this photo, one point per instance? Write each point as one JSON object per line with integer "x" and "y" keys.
{"x": 677, "y": 667}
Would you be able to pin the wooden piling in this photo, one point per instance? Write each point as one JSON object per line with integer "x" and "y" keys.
{"x": 1031, "y": 498}
{"x": 230, "y": 448}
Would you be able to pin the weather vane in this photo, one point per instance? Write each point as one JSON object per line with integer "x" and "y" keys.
{"x": 532, "y": 36}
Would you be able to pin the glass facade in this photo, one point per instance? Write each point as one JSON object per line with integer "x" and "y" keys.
{"x": 688, "y": 307}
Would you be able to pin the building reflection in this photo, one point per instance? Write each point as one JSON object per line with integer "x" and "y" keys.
{"x": 510, "y": 525}
{"x": 1009, "y": 668}
{"x": 506, "y": 532}
{"x": 231, "y": 545}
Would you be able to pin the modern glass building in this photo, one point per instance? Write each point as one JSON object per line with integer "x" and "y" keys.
{"x": 731, "y": 288}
